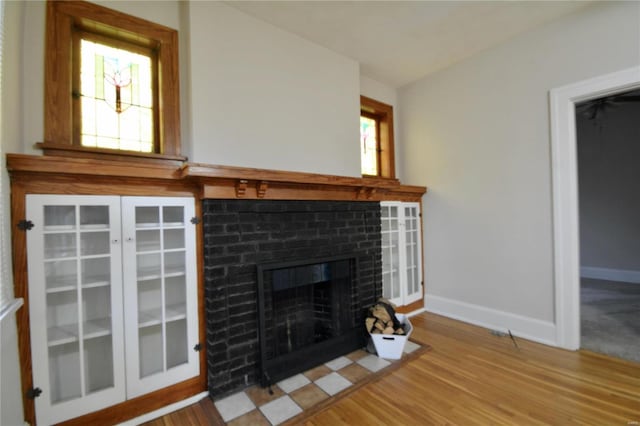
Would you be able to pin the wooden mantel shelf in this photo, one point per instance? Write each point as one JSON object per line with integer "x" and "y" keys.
{"x": 217, "y": 181}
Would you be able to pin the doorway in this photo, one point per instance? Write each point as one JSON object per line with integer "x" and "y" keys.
{"x": 608, "y": 148}
{"x": 565, "y": 194}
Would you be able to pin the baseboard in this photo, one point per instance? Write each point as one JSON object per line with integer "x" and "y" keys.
{"x": 165, "y": 410}
{"x": 525, "y": 327}
{"x": 416, "y": 312}
{"x": 622, "y": 275}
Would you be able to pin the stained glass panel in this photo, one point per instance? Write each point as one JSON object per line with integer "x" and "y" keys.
{"x": 368, "y": 146}
{"x": 116, "y": 98}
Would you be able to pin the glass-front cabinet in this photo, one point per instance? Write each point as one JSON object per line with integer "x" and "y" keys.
{"x": 89, "y": 287}
{"x": 401, "y": 252}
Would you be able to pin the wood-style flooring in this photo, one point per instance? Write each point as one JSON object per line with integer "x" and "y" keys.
{"x": 472, "y": 377}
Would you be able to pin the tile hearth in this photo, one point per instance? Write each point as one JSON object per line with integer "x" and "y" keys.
{"x": 255, "y": 406}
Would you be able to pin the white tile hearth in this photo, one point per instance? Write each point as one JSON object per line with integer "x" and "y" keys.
{"x": 338, "y": 363}
{"x": 333, "y": 383}
{"x": 234, "y": 406}
{"x": 373, "y": 363}
{"x": 255, "y": 406}
{"x": 410, "y": 347}
{"x": 281, "y": 409}
{"x": 293, "y": 383}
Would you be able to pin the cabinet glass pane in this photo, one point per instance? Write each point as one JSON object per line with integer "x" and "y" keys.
{"x": 96, "y": 271}
{"x": 175, "y": 297}
{"x": 94, "y": 243}
{"x": 149, "y": 303}
{"x": 96, "y": 312}
{"x": 174, "y": 263}
{"x": 386, "y": 284}
{"x": 60, "y": 245}
{"x": 174, "y": 238}
{"x": 62, "y": 317}
{"x": 149, "y": 266}
{"x": 98, "y": 364}
{"x": 64, "y": 372}
{"x": 151, "y": 353}
{"x": 148, "y": 240}
{"x": 61, "y": 274}
{"x": 94, "y": 217}
{"x": 173, "y": 216}
{"x": 147, "y": 217}
{"x": 177, "y": 343}
{"x": 59, "y": 217}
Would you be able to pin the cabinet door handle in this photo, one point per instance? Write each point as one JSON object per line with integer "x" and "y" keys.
{"x": 116, "y": 241}
{"x": 129, "y": 239}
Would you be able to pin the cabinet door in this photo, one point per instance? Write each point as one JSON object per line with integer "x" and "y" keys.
{"x": 412, "y": 289}
{"x": 160, "y": 292}
{"x": 401, "y": 252}
{"x": 75, "y": 300}
{"x": 390, "y": 233}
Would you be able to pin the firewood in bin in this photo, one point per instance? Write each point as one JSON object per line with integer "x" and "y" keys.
{"x": 382, "y": 319}
{"x": 391, "y": 310}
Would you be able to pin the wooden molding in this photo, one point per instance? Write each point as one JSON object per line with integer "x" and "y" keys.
{"x": 64, "y": 18}
{"x": 75, "y": 151}
{"x": 262, "y": 189}
{"x": 210, "y": 181}
{"x": 383, "y": 114}
{"x": 241, "y": 188}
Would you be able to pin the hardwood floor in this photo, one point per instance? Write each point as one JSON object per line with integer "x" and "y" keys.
{"x": 472, "y": 377}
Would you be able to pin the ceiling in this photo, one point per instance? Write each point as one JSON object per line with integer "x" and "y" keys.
{"x": 397, "y": 42}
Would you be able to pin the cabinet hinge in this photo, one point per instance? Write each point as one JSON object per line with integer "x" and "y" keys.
{"x": 25, "y": 225}
{"x": 33, "y": 393}
{"x": 197, "y": 347}
{"x": 196, "y": 220}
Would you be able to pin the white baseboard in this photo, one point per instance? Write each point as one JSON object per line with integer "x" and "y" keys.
{"x": 527, "y": 328}
{"x": 165, "y": 410}
{"x": 622, "y": 275}
{"x": 416, "y": 312}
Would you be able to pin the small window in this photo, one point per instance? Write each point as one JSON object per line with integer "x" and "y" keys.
{"x": 369, "y": 144}
{"x": 376, "y": 138}
{"x": 111, "y": 84}
{"x": 116, "y": 97}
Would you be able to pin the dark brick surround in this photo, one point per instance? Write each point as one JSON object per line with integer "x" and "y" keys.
{"x": 241, "y": 234}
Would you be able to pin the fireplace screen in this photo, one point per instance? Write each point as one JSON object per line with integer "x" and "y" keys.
{"x": 307, "y": 315}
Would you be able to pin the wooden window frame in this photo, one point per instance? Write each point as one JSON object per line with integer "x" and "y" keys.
{"x": 66, "y": 21}
{"x": 383, "y": 115}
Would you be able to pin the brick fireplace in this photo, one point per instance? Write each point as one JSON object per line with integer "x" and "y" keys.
{"x": 243, "y": 237}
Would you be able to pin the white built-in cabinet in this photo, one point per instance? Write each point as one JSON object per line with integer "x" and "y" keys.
{"x": 112, "y": 299}
{"x": 401, "y": 252}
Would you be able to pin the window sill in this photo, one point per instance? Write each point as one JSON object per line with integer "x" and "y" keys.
{"x": 10, "y": 308}
{"x": 63, "y": 150}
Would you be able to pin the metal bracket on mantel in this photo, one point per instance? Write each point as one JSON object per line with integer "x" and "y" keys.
{"x": 241, "y": 188}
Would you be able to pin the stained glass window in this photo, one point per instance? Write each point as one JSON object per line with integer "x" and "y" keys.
{"x": 369, "y": 146}
{"x": 116, "y": 89}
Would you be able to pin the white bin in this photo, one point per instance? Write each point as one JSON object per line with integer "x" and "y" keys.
{"x": 390, "y": 346}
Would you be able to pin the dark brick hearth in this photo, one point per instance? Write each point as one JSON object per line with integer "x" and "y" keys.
{"x": 239, "y": 235}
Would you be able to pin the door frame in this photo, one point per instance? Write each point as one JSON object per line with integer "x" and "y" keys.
{"x": 564, "y": 167}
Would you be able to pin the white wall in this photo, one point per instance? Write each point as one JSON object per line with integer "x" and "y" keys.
{"x": 477, "y": 134}
{"x": 265, "y": 98}
{"x": 609, "y": 188}
{"x": 10, "y": 140}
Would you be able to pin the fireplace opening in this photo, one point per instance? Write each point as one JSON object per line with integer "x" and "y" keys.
{"x": 308, "y": 314}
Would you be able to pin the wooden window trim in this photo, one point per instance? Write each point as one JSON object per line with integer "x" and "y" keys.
{"x": 383, "y": 115}
{"x": 63, "y": 20}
